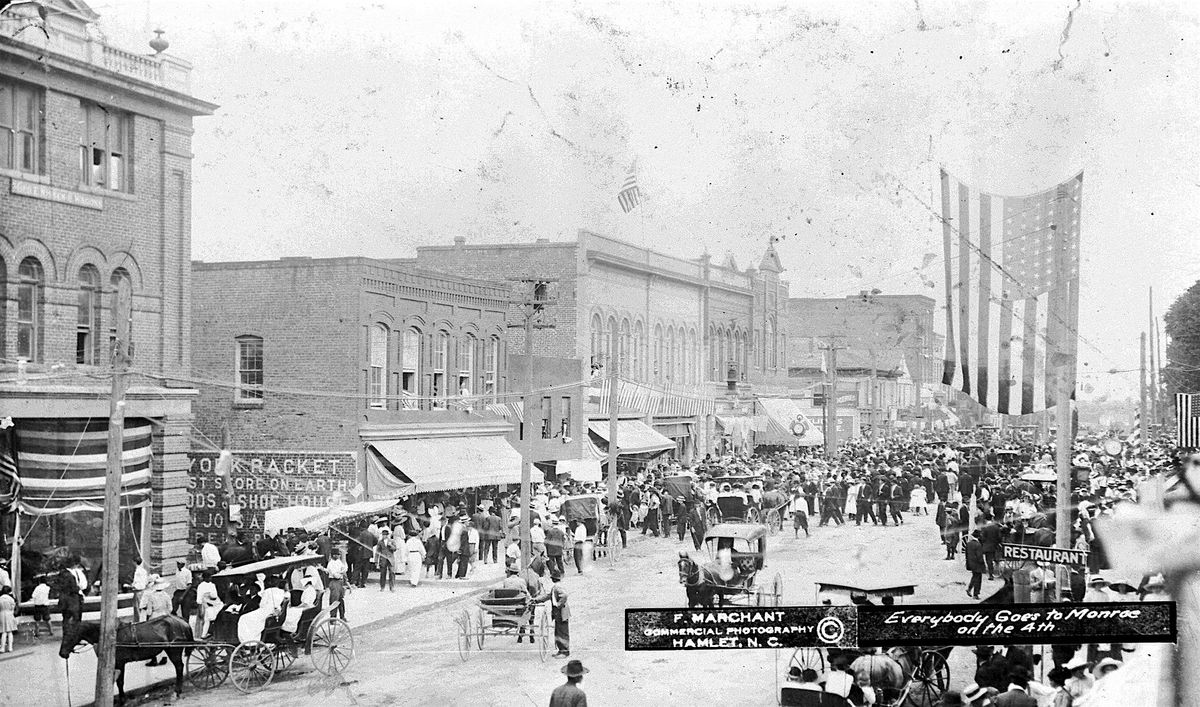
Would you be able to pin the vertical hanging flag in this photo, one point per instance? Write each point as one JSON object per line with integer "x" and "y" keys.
{"x": 1012, "y": 293}
{"x": 1187, "y": 420}
{"x": 629, "y": 196}
{"x": 10, "y": 477}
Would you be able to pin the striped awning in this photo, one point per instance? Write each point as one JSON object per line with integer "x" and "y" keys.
{"x": 63, "y": 463}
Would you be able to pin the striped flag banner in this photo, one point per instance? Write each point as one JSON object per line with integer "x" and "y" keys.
{"x": 64, "y": 463}
{"x": 10, "y": 476}
{"x": 629, "y": 196}
{"x": 1012, "y": 307}
{"x": 1187, "y": 420}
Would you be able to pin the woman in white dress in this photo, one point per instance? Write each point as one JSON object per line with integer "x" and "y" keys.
{"x": 917, "y": 501}
{"x": 208, "y": 604}
{"x": 852, "y": 492}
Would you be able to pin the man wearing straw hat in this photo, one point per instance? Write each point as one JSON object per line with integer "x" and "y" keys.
{"x": 569, "y": 693}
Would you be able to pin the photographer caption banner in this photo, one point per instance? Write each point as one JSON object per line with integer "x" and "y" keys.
{"x": 885, "y": 626}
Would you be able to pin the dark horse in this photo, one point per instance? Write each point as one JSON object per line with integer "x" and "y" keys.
{"x": 1003, "y": 595}
{"x": 155, "y": 636}
{"x": 704, "y": 586}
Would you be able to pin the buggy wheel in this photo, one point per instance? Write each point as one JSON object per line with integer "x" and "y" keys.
{"x": 464, "y": 635}
{"x": 479, "y": 637}
{"x": 774, "y": 521}
{"x": 752, "y": 515}
{"x": 777, "y": 590}
{"x": 207, "y": 666}
{"x": 930, "y": 680}
{"x": 284, "y": 657}
{"x": 808, "y": 657}
{"x": 713, "y": 516}
{"x": 759, "y": 598}
{"x": 251, "y": 666}
{"x": 543, "y": 637}
{"x": 331, "y": 646}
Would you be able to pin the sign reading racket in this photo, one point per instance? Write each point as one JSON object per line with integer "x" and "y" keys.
{"x": 751, "y": 627}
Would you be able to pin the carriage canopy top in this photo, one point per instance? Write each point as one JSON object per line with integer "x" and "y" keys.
{"x": 275, "y": 564}
{"x": 898, "y": 590}
{"x": 743, "y": 531}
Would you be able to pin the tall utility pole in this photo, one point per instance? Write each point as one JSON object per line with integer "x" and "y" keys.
{"x": 614, "y": 383}
{"x": 532, "y": 305}
{"x": 873, "y": 399}
{"x": 1145, "y": 421}
{"x": 831, "y": 399}
{"x": 111, "y": 539}
{"x": 1065, "y": 383}
{"x": 1153, "y": 366}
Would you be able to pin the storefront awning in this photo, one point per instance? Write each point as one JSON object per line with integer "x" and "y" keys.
{"x": 400, "y": 467}
{"x": 633, "y": 437}
{"x": 784, "y": 423}
{"x": 62, "y": 464}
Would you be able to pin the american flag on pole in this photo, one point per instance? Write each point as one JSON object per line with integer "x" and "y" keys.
{"x": 629, "y": 196}
{"x": 1187, "y": 420}
{"x": 1012, "y": 293}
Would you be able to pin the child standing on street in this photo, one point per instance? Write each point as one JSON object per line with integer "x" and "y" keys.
{"x": 8, "y": 619}
{"x": 799, "y": 518}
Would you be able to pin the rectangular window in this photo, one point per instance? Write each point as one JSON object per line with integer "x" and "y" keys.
{"x": 249, "y": 369}
{"x": 564, "y": 416}
{"x": 20, "y": 128}
{"x": 104, "y": 150}
{"x": 491, "y": 355}
{"x": 410, "y": 357}
{"x": 547, "y": 411}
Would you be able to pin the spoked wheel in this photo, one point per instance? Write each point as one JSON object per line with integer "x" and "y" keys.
{"x": 208, "y": 666}
{"x": 543, "y": 637}
{"x": 930, "y": 680}
{"x": 252, "y": 666}
{"x": 479, "y": 636}
{"x": 774, "y": 521}
{"x": 777, "y": 590}
{"x": 808, "y": 658}
{"x": 713, "y": 516}
{"x": 331, "y": 645}
{"x": 753, "y": 516}
{"x": 284, "y": 657}
{"x": 464, "y": 635}
{"x": 760, "y": 597}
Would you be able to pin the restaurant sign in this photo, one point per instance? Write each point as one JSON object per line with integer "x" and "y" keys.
{"x": 263, "y": 480}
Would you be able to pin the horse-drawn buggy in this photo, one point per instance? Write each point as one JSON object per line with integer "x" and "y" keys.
{"x": 734, "y": 503}
{"x": 588, "y": 509}
{"x": 737, "y": 553}
{"x": 236, "y": 647}
{"x": 249, "y": 641}
{"x": 504, "y": 613}
{"x": 905, "y": 676}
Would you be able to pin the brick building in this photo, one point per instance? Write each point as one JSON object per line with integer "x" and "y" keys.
{"x": 95, "y": 197}
{"x": 384, "y": 368}
{"x": 680, "y": 327}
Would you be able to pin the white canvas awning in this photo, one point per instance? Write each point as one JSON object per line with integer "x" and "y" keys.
{"x": 398, "y": 467}
{"x": 633, "y": 437}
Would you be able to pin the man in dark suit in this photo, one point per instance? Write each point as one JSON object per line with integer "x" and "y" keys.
{"x": 975, "y": 564}
{"x": 1017, "y": 694}
{"x": 990, "y": 536}
{"x": 941, "y": 486}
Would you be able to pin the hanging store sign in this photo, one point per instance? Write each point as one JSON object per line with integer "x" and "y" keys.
{"x": 1049, "y": 555}
{"x": 265, "y": 480}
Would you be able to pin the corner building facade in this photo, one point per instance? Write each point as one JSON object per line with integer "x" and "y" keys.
{"x": 95, "y": 197}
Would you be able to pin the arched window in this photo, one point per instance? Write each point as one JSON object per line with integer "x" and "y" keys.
{"x": 466, "y": 364}
{"x": 31, "y": 303}
{"x": 441, "y": 354}
{"x": 87, "y": 327}
{"x": 770, "y": 358}
{"x": 740, "y": 352}
{"x": 410, "y": 366}
{"x": 377, "y": 367}
{"x": 657, "y": 373}
{"x": 639, "y": 350}
{"x": 669, "y": 364}
{"x": 119, "y": 278}
{"x": 610, "y": 340}
{"x": 714, "y": 354}
{"x": 597, "y": 342}
{"x": 249, "y": 369}
{"x": 693, "y": 357}
{"x": 626, "y": 363}
{"x": 491, "y": 363}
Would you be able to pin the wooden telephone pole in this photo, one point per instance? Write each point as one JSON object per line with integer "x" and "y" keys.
{"x": 111, "y": 557}
{"x": 831, "y": 398}
{"x": 532, "y": 305}
{"x": 614, "y": 409}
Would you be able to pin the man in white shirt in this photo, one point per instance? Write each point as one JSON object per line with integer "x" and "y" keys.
{"x": 210, "y": 555}
{"x": 336, "y": 571}
{"x": 180, "y": 583}
{"x": 537, "y": 538}
{"x": 580, "y": 535}
{"x": 5, "y": 579}
{"x": 41, "y": 606}
{"x": 141, "y": 579}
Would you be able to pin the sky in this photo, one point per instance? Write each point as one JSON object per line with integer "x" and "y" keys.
{"x": 371, "y": 128}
